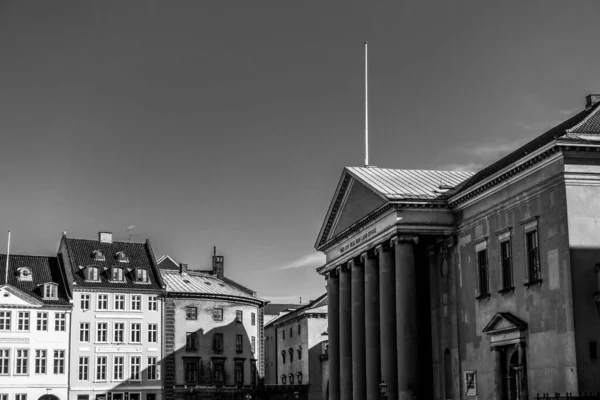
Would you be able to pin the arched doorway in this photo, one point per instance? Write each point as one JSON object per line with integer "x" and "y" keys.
{"x": 48, "y": 397}
{"x": 512, "y": 383}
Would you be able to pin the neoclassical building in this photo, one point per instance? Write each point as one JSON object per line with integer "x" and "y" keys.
{"x": 451, "y": 285}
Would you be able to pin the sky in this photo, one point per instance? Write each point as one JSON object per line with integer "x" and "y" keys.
{"x": 228, "y": 124}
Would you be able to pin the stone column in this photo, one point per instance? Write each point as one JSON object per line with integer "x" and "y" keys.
{"x": 387, "y": 316}
{"x": 372, "y": 340}
{"x": 407, "y": 337}
{"x": 499, "y": 372}
{"x": 333, "y": 330}
{"x": 522, "y": 372}
{"x": 358, "y": 330}
{"x": 345, "y": 334}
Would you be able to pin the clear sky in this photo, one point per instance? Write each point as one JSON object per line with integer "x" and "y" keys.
{"x": 228, "y": 123}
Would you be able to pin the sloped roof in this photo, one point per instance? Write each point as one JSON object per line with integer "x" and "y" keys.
{"x": 317, "y": 306}
{"x": 195, "y": 282}
{"x": 43, "y": 270}
{"x": 80, "y": 253}
{"x": 166, "y": 262}
{"x": 275, "y": 309}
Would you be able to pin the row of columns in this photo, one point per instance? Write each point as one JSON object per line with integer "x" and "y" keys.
{"x": 373, "y": 335}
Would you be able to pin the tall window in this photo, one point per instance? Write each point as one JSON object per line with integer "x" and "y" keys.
{"x": 283, "y": 334}
{"x": 253, "y": 319}
{"x": 102, "y": 302}
{"x": 291, "y": 376}
{"x": 218, "y": 343}
{"x": 40, "y": 361}
{"x": 283, "y": 379}
{"x": 118, "y": 365}
{"x": 191, "y": 371}
{"x": 136, "y": 332}
{"x": 117, "y": 274}
{"x": 218, "y": 314}
{"x": 60, "y": 322}
{"x": 136, "y": 302}
{"x": 91, "y": 273}
{"x": 23, "y": 321}
{"x": 253, "y": 373}
{"x": 506, "y": 259}
{"x": 152, "y": 303}
{"x": 102, "y": 332}
{"x": 291, "y": 332}
{"x": 135, "y": 366}
{"x": 84, "y": 331}
{"x": 239, "y": 316}
{"x": 84, "y": 365}
{"x": 299, "y": 375}
{"x": 4, "y": 320}
{"x": 50, "y": 291}
{"x": 482, "y": 267}
{"x": 153, "y": 333}
{"x": 152, "y": 369}
{"x": 533, "y": 257}
{"x": 299, "y": 329}
{"x": 59, "y": 361}
{"x": 238, "y": 344}
{"x": 299, "y": 352}
{"x": 4, "y": 361}
{"x": 291, "y": 351}
{"x": 42, "y": 321}
{"x": 85, "y": 302}
{"x": 119, "y": 332}
{"x": 22, "y": 362}
{"x": 283, "y": 356}
{"x": 218, "y": 372}
{"x": 141, "y": 275}
{"x": 119, "y": 301}
{"x": 191, "y": 313}
{"x": 190, "y": 340}
{"x": 21, "y": 396}
{"x": 239, "y": 372}
{"x": 253, "y": 344}
{"x": 101, "y": 368}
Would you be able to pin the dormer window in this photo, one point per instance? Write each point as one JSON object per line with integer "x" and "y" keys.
{"x": 122, "y": 257}
{"x": 25, "y": 274}
{"x": 141, "y": 275}
{"x": 50, "y": 291}
{"x": 116, "y": 274}
{"x": 98, "y": 255}
{"x": 91, "y": 273}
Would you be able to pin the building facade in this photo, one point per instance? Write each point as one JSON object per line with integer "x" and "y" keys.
{"x": 448, "y": 285}
{"x": 213, "y": 334}
{"x": 35, "y": 316}
{"x": 116, "y": 329}
{"x": 295, "y": 344}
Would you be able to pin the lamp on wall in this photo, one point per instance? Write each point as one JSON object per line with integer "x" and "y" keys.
{"x": 383, "y": 390}
{"x": 296, "y": 395}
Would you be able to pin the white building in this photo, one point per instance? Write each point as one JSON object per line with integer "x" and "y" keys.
{"x": 35, "y": 315}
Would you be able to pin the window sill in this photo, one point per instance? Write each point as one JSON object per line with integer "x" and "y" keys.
{"x": 191, "y": 349}
{"x": 533, "y": 283}
{"x": 506, "y": 290}
{"x": 483, "y": 296}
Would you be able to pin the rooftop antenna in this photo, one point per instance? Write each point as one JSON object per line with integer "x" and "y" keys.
{"x": 7, "y": 257}
{"x": 130, "y": 229}
{"x": 214, "y": 250}
{"x": 366, "y": 106}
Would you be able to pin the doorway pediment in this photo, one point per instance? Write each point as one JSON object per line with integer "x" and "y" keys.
{"x": 505, "y": 328}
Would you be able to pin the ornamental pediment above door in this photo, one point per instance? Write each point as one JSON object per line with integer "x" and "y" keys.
{"x": 505, "y": 328}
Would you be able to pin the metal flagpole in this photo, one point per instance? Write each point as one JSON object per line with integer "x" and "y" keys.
{"x": 7, "y": 256}
{"x": 366, "y": 107}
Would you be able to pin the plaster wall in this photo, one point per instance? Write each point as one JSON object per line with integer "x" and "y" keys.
{"x": 270, "y": 356}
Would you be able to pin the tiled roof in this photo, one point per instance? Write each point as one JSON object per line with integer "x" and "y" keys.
{"x": 407, "y": 184}
{"x": 194, "y": 282}
{"x": 318, "y": 306}
{"x": 43, "y": 269}
{"x": 589, "y": 126}
{"x": 139, "y": 254}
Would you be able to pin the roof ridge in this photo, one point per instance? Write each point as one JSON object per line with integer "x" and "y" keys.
{"x": 112, "y": 242}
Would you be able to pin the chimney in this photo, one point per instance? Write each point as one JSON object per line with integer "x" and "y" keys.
{"x": 218, "y": 265}
{"x": 183, "y": 268}
{"x": 105, "y": 237}
{"x": 591, "y": 100}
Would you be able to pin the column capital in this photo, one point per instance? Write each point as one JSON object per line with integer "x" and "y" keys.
{"x": 450, "y": 242}
{"x": 355, "y": 262}
{"x": 431, "y": 250}
{"x": 345, "y": 267}
{"x": 367, "y": 254}
{"x": 380, "y": 248}
{"x": 334, "y": 273}
{"x": 404, "y": 239}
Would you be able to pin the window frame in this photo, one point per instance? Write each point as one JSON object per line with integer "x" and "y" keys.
{"x": 191, "y": 366}
{"x": 191, "y": 313}
{"x": 483, "y": 269}
{"x": 138, "y": 364}
{"x": 83, "y": 368}
{"x": 221, "y": 369}
{"x": 23, "y": 321}
{"x": 121, "y": 300}
{"x": 144, "y": 274}
{"x": 531, "y": 227}
{"x": 84, "y": 331}
{"x": 152, "y": 368}
{"x": 152, "y": 302}
{"x": 42, "y": 321}
{"x": 117, "y": 274}
{"x": 507, "y": 284}
{"x": 24, "y": 366}
{"x": 40, "y": 368}
{"x": 239, "y": 372}
{"x": 105, "y": 331}
{"x": 152, "y": 333}
{"x": 122, "y": 368}
{"x": 102, "y": 302}
{"x": 137, "y": 300}
{"x": 60, "y": 321}
{"x": 221, "y": 342}
{"x": 239, "y": 316}
{"x": 58, "y": 361}
{"x": 191, "y": 341}
{"x": 135, "y": 332}
{"x": 217, "y": 314}
{"x": 5, "y": 320}
{"x": 5, "y": 363}
{"x": 104, "y": 366}
{"x": 122, "y": 332}
{"x": 92, "y": 271}
{"x": 84, "y": 301}
{"x": 239, "y": 344}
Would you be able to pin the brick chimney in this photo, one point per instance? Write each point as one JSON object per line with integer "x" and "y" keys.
{"x": 591, "y": 100}
{"x": 218, "y": 264}
{"x": 183, "y": 268}
{"x": 105, "y": 237}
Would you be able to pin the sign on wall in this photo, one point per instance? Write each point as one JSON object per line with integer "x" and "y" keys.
{"x": 471, "y": 383}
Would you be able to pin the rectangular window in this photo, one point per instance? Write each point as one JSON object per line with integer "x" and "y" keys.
{"x": 253, "y": 344}
{"x": 253, "y": 373}
{"x": 239, "y": 316}
{"x": 22, "y": 362}
{"x": 3, "y": 396}
{"x": 218, "y": 375}
{"x": 136, "y": 332}
{"x": 84, "y": 367}
{"x": 283, "y": 334}
{"x": 119, "y": 302}
{"x": 153, "y": 333}
{"x": 84, "y": 331}
{"x": 119, "y": 332}
{"x": 152, "y": 303}
{"x": 102, "y": 302}
{"x": 152, "y": 375}
{"x": 291, "y": 332}
{"x": 135, "y": 367}
{"x": 23, "y": 321}
{"x": 482, "y": 268}
{"x": 50, "y": 291}
{"x": 190, "y": 341}
{"x": 4, "y": 320}
{"x": 191, "y": 371}
{"x": 533, "y": 257}
{"x": 506, "y": 259}
{"x": 59, "y": 361}
{"x": 299, "y": 329}
{"x": 117, "y": 274}
{"x": 83, "y": 397}
{"x": 218, "y": 314}
{"x": 253, "y": 319}
{"x": 101, "y": 368}
{"x": 238, "y": 344}
{"x": 42, "y": 321}
{"x": 40, "y": 361}
{"x": 218, "y": 343}
{"x": 102, "y": 332}
{"x": 85, "y": 302}
{"x": 141, "y": 275}
{"x": 136, "y": 302}
{"x": 239, "y": 373}
{"x": 118, "y": 365}
{"x": 60, "y": 322}
{"x": 191, "y": 313}
{"x": 4, "y": 361}
{"x": 21, "y": 396}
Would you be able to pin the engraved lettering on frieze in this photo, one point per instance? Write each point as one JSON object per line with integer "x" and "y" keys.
{"x": 365, "y": 236}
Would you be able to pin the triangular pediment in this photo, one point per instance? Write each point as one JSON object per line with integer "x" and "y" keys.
{"x": 11, "y": 296}
{"x": 504, "y": 322}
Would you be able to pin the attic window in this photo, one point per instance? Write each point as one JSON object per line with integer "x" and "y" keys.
{"x": 98, "y": 255}
{"x": 141, "y": 275}
{"x": 91, "y": 273}
{"x": 122, "y": 257}
{"x": 208, "y": 283}
{"x": 25, "y": 274}
{"x": 50, "y": 291}
{"x": 116, "y": 274}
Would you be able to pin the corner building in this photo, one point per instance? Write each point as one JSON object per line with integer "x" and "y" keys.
{"x": 451, "y": 285}
{"x": 116, "y": 329}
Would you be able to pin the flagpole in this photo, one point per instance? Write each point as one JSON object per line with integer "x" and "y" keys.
{"x": 366, "y": 107}
{"x": 7, "y": 257}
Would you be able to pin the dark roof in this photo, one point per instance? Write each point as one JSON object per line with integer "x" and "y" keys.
{"x": 140, "y": 255}
{"x": 275, "y": 309}
{"x": 315, "y": 306}
{"x": 166, "y": 262}
{"x": 43, "y": 270}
